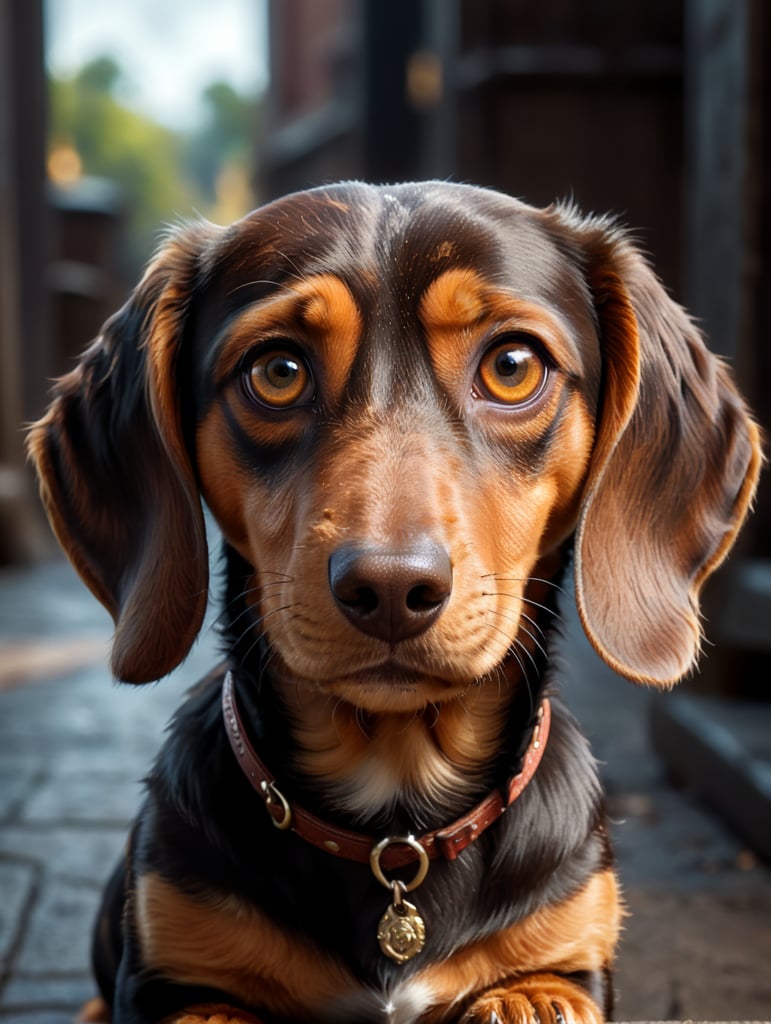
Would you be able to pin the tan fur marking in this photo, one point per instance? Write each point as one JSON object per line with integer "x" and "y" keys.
{"x": 215, "y": 939}
{"x": 456, "y": 299}
{"x": 225, "y": 483}
{"x": 331, "y": 312}
{"x": 579, "y": 934}
{"x": 378, "y": 757}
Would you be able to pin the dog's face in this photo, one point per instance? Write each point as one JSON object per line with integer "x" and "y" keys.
{"x": 399, "y": 404}
{"x": 394, "y": 441}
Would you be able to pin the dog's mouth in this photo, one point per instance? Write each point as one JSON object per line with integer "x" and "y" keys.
{"x": 377, "y": 692}
{"x": 393, "y": 676}
{"x": 390, "y": 686}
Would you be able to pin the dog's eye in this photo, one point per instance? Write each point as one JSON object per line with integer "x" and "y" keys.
{"x": 279, "y": 379}
{"x": 512, "y": 372}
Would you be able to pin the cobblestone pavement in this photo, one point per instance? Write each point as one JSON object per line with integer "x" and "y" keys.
{"x": 73, "y": 748}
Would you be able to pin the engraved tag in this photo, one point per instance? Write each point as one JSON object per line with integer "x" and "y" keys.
{"x": 402, "y": 932}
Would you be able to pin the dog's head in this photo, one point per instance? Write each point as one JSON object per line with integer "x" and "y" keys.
{"x": 399, "y": 404}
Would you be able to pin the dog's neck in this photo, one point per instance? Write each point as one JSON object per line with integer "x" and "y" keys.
{"x": 411, "y": 769}
{"x": 431, "y": 762}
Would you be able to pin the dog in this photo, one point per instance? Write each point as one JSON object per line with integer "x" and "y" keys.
{"x": 415, "y": 412}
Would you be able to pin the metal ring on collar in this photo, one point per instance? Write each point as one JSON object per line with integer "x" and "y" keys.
{"x": 412, "y": 842}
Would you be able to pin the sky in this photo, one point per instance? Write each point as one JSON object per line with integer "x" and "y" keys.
{"x": 169, "y": 49}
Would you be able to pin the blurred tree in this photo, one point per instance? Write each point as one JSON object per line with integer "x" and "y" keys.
{"x": 112, "y": 141}
{"x": 101, "y": 75}
{"x": 220, "y": 155}
{"x": 164, "y": 175}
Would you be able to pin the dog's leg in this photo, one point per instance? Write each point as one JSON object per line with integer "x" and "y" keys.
{"x": 535, "y": 999}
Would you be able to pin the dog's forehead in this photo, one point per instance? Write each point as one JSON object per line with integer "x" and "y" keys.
{"x": 395, "y": 241}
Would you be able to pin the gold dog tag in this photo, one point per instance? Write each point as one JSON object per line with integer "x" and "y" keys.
{"x": 402, "y": 932}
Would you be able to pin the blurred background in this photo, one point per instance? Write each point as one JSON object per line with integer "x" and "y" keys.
{"x": 117, "y": 118}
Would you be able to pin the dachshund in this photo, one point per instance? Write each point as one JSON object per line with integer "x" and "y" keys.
{"x": 414, "y": 413}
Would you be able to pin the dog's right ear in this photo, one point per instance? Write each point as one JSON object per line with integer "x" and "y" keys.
{"x": 115, "y": 474}
{"x": 674, "y": 468}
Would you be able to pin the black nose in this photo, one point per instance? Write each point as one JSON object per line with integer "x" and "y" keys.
{"x": 391, "y": 594}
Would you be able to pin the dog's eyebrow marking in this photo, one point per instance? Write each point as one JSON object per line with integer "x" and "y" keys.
{"x": 329, "y": 304}
{"x": 459, "y": 304}
{"x": 320, "y": 311}
{"x": 456, "y": 299}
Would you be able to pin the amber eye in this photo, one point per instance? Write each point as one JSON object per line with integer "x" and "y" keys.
{"x": 512, "y": 372}
{"x": 279, "y": 379}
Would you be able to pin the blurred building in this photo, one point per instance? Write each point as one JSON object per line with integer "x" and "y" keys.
{"x": 541, "y": 98}
{"x": 58, "y": 254}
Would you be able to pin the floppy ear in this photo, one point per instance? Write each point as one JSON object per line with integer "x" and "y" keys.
{"x": 116, "y": 477}
{"x": 673, "y": 472}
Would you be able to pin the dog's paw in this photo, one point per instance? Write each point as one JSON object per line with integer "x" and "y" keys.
{"x": 538, "y": 999}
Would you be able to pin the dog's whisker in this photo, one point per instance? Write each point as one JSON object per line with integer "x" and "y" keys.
{"x": 270, "y": 652}
{"x": 359, "y": 717}
{"x": 416, "y": 714}
{"x": 301, "y": 274}
{"x": 526, "y": 650}
{"x": 523, "y": 615}
{"x": 249, "y": 608}
{"x": 524, "y": 629}
{"x": 260, "y": 620}
{"x": 536, "y": 641}
{"x": 257, "y": 624}
{"x": 498, "y": 629}
{"x": 245, "y": 632}
{"x": 500, "y": 577}
{"x": 522, "y": 666}
{"x": 535, "y": 604}
{"x": 228, "y": 605}
{"x": 536, "y": 626}
{"x": 258, "y": 281}
{"x": 437, "y": 712}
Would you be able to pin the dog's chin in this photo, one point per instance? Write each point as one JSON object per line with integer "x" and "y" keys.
{"x": 392, "y": 690}
{"x": 397, "y": 689}
{"x": 391, "y": 686}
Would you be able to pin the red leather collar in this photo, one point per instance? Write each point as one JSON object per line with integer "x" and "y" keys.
{"x": 445, "y": 842}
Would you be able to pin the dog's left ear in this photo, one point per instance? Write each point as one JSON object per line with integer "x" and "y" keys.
{"x": 674, "y": 468}
{"x": 115, "y": 472}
